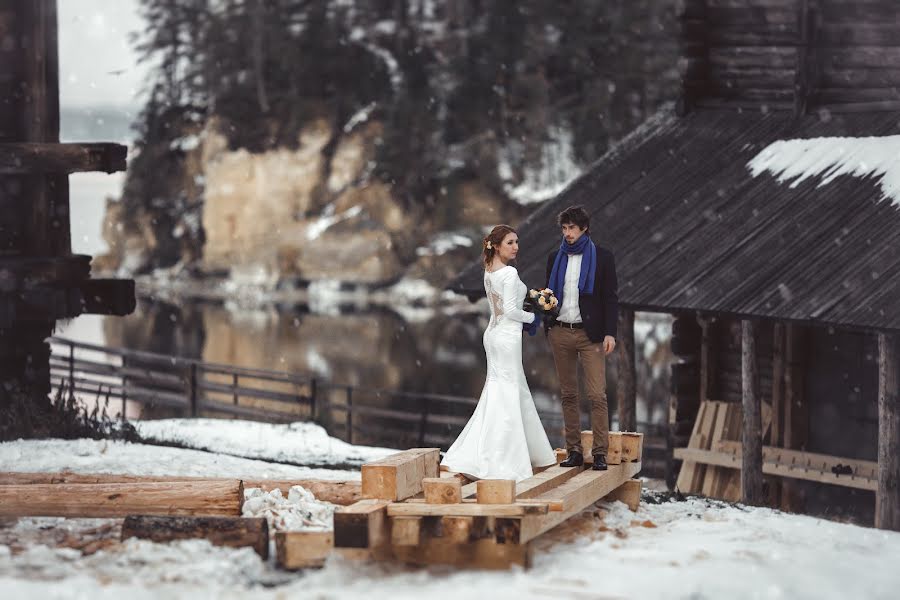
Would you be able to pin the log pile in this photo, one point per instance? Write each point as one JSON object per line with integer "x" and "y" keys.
{"x": 415, "y": 517}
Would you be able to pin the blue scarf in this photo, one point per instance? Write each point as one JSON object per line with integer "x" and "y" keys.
{"x": 583, "y": 246}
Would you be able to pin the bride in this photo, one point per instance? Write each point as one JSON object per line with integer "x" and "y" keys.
{"x": 504, "y": 438}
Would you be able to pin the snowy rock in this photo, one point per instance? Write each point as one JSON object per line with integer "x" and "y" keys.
{"x": 299, "y": 511}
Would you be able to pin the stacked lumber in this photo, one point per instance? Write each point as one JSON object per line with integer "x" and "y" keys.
{"x": 712, "y": 460}
{"x": 415, "y": 516}
{"x": 234, "y": 532}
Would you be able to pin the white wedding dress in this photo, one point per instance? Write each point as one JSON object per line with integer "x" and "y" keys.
{"x": 504, "y": 438}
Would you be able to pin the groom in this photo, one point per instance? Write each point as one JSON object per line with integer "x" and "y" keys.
{"x": 583, "y": 277}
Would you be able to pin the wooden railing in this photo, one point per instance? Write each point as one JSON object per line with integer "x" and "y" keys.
{"x": 400, "y": 419}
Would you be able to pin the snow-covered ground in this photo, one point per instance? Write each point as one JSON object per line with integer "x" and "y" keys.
{"x": 688, "y": 549}
{"x": 671, "y": 550}
{"x": 92, "y": 456}
{"x": 293, "y": 443}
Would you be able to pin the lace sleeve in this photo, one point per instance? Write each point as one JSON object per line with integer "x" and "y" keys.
{"x": 511, "y": 306}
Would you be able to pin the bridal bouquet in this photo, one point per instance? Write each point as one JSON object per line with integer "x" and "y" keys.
{"x": 543, "y": 299}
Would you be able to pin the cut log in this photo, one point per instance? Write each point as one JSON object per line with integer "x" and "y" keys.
{"x": 233, "y": 532}
{"x": 177, "y": 498}
{"x": 496, "y": 491}
{"x": 632, "y": 444}
{"x": 303, "y": 549}
{"x": 440, "y": 490}
{"x": 362, "y": 525}
{"x": 614, "y": 453}
{"x": 336, "y": 492}
{"x": 399, "y": 476}
{"x": 561, "y": 455}
{"x": 629, "y": 493}
{"x": 406, "y": 531}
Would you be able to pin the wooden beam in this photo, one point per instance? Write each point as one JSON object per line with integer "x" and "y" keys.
{"x": 544, "y": 481}
{"x": 632, "y": 445}
{"x": 442, "y": 490}
{"x": 179, "y": 498}
{"x": 793, "y": 464}
{"x": 778, "y": 364}
{"x": 303, "y": 549}
{"x": 496, "y": 491}
{"x": 399, "y": 476}
{"x": 614, "y": 452}
{"x": 108, "y": 297}
{"x": 629, "y": 493}
{"x": 751, "y": 471}
{"x": 887, "y": 499}
{"x": 406, "y": 531}
{"x": 336, "y": 492}
{"x": 626, "y": 390}
{"x": 232, "y": 532}
{"x": 480, "y": 554}
{"x": 576, "y": 494}
{"x": 42, "y": 158}
{"x": 795, "y": 431}
{"x": 469, "y": 509}
{"x": 362, "y": 525}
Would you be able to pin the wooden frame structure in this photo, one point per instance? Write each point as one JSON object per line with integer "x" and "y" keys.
{"x": 414, "y": 516}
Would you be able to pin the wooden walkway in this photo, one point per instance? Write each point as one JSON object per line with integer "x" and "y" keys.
{"x": 415, "y": 514}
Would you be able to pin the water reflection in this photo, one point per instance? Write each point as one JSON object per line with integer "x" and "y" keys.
{"x": 369, "y": 348}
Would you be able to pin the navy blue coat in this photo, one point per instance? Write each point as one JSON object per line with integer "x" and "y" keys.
{"x": 599, "y": 310}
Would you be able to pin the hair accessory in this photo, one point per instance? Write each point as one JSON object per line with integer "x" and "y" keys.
{"x": 488, "y": 245}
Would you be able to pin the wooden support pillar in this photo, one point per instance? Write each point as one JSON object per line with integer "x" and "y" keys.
{"x": 751, "y": 470}
{"x": 776, "y": 431}
{"x": 626, "y": 389}
{"x": 887, "y": 499}
{"x": 795, "y": 421}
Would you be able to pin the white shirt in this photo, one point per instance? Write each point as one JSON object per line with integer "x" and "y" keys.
{"x": 569, "y": 312}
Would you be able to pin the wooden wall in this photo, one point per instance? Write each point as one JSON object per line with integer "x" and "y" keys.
{"x": 801, "y": 54}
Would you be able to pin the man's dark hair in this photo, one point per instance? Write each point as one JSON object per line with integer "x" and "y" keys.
{"x": 575, "y": 215}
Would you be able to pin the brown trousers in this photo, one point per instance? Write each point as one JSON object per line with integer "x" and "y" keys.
{"x": 567, "y": 345}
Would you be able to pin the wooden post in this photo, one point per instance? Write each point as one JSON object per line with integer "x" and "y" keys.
{"x": 776, "y": 433}
{"x": 626, "y": 392}
{"x": 887, "y": 498}
{"x": 124, "y": 386}
{"x": 795, "y": 422}
{"x": 192, "y": 390}
{"x": 234, "y": 388}
{"x": 751, "y": 471}
{"x": 349, "y": 414}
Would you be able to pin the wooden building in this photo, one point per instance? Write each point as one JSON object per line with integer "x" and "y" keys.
{"x": 786, "y": 292}
{"x": 40, "y": 279}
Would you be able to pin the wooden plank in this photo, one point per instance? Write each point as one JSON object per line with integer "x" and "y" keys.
{"x": 232, "y": 532}
{"x": 790, "y": 463}
{"x": 363, "y": 524}
{"x": 406, "y": 531}
{"x": 713, "y": 474}
{"x": 54, "y": 158}
{"x": 469, "y": 509}
{"x": 629, "y": 493}
{"x": 887, "y": 500}
{"x": 576, "y": 494}
{"x": 440, "y": 490}
{"x": 544, "y": 481}
{"x": 457, "y": 529}
{"x": 400, "y": 475}
{"x": 303, "y": 549}
{"x": 496, "y": 491}
{"x": 691, "y": 475}
{"x": 105, "y": 500}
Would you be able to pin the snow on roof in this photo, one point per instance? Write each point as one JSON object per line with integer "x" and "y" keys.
{"x": 831, "y": 157}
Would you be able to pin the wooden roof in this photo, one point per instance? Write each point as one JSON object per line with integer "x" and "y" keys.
{"x": 693, "y": 229}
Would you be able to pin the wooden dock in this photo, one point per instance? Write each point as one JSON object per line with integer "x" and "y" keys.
{"x": 416, "y": 514}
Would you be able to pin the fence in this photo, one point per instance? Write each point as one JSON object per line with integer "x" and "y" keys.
{"x": 165, "y": 384}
